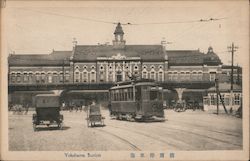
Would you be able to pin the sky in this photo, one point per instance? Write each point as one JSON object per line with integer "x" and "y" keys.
{"x": 39, "y": 27}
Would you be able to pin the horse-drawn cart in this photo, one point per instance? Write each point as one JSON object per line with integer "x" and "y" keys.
{"x": 94, "y": 116}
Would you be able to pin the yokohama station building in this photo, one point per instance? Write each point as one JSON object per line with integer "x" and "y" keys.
{"x": 102, "y": 64}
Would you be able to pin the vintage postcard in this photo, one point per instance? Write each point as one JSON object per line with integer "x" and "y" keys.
{"x": 124, "y": 80}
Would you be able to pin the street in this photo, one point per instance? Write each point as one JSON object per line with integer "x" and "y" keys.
{"x": 190, "y": 130}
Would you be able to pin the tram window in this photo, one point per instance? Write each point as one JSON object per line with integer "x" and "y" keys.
{"x": 121, "y": 95}
{"x": 125, "y": 94}
{"x": 153, "y": 95}
{"x": 129, "y": 94}
{"x": 138, "y": 93}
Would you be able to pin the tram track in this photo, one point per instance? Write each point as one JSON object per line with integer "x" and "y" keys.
{"x": 184, "y": 131}
{"x": 204, "y": 136}
{"x": 152, "y": 137}
{"x": 216, "y": 131}
{"x": 133, "y": 146}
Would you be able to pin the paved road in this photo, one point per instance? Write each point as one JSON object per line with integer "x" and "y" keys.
{"x": 190, "y": 130}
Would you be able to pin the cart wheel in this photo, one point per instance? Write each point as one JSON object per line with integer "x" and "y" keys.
{"x": 34, "y": 127}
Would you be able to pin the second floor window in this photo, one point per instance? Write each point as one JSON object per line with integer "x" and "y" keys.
{"x": 77, "y": 77}
{"x": 92, "y": 76}
{"x": 212, "y": 76}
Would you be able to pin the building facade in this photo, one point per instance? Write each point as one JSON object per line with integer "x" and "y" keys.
{"x": 87, "y": 64}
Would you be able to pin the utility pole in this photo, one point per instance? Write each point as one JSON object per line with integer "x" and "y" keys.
{"x": 232, "y": 49}
{"x": 217, "y": 95}
{"x": 63, "y": 71}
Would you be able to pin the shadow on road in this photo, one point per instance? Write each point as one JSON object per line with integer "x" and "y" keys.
{"x": 51, "y": 128}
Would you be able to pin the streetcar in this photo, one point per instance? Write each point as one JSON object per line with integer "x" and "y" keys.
{"x": 47, "y": 111}
{"x": 136, "y": 100}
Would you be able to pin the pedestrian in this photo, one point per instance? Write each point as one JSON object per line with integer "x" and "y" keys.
{"x": 26, "y": 108}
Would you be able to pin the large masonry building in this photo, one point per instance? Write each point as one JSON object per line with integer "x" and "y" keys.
{"x": 112, "y": 63}
{"x": 87, "y": 64}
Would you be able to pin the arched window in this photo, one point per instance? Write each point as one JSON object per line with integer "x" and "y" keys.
{"x": 49, "y": 74}
{"x": 102, "y": 77}
{"x": 43, "y": 77}
{"x": 77, "y": 76}
{"x": 67, "y": 76}
{"x": 60, "y": 76}
{"x": 110, "y": 76}
{"x": 144, "y": 74}
{"x": 152, "y": 75}
{"x": 92, "y": 76}
{"x": 13, "y": 77}
{"x": 160, "y": 76}
{"x": 85, "y": 76}
{"x": 25, "y": 77}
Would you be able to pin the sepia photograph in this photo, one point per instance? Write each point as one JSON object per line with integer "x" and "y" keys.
{"x": 125, "y": 80}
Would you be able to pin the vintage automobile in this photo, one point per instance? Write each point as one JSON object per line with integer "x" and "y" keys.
{"x": 47, "y": 111}
{"x": 94, "y": 116}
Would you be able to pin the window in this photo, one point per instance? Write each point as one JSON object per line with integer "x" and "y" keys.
{"x": 175, "y": 76}
{"x": 152, "y": 75}
{"x": 37, "y": 77}
{"x": 182, "y": 76}
{"x": 145, "y": 74}
{"x": 92, "y": 76}
{"x": 237, "y": 99}
{"x": 13, "y": 77}
{"x": 61, "y": 77}
{"x": 212, "y": 76}
{"x": 110, "y": 77}
{"x": 18, "y": 79}
{"x": 55, "y": 77}
{"x": 195, "y": 76}
{"x": 125, "y": 94}
{"x": 153, "y": 95}
{"x": 138, "y": 93}
{"x": 85, "y": 76}
{"x": 130, "y": 94}
{"x": 25, "y": 77}
{"x": 170, "y": 76}
{"x": 187, "y": 76}
{"x": 101, "y": 76}
{"x": 67, "y": 76}
{"x": 199, "y": 76}
{"x": 77, "y": 77}
{"x": 50, "y": 78}
{"x": 160, "y": 76}
{"x": 43, "y": 77}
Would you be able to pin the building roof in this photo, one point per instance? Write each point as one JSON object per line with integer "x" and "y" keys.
{"x": 56, "y": 58}
{"x": 211, "y": 58}
{"x": 91, "y": 52}
{"x": 226, "y": 87}
{"x": 185, "y": 57}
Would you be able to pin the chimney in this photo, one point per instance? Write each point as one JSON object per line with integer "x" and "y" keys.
{"x": 164, "y": 43}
